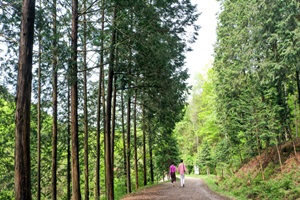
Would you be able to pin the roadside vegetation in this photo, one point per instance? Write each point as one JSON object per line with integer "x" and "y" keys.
{"x": 242, "y": 121}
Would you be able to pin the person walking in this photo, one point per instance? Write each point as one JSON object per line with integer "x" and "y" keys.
{"x": 181, "y": 170}
{"x": 172, "y": 172}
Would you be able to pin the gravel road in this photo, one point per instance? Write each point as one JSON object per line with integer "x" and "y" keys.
{"x": 195, "y": 189}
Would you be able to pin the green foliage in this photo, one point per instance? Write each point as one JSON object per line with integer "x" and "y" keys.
{"x": 120, "y": 190}
{"x": 7, "y": 145}
{"x": 249, "y": 100}
{"x": 205, "y": 156}
{"x": 282, "y": 187}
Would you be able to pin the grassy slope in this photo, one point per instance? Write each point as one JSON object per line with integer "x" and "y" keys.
{"x": 247, "y": 182}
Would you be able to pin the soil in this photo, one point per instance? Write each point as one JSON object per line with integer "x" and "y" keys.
{"x": 195, "y": 189}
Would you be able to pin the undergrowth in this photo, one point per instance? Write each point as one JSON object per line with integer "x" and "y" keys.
{"x": 276, "y": 186}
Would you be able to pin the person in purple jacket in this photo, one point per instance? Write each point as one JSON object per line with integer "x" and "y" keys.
{"x": 181, "y": 170}
{"x": 172, "y": 173}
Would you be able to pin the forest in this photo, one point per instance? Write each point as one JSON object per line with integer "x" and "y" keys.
{"x": 95, "y": 101}
{"x": 242, "y": 123}
{"x": 90, "y": 93}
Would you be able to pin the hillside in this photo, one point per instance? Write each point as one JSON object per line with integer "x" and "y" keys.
{"x": 247, "y": 182}
{"x": 270, "y": 157}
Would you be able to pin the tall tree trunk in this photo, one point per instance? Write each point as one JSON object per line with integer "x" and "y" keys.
{"x": 296, "y": 111}
{"x": 54, "y": 102}
{"x": 123, "y": 133}
{"x": 23, "y": 98}
{"x": 39, "y": 111}
{"x": 100, "y": 88}
{"x": 144, "y": 149}
{"x": 298, "y": 86}
{"x": 128, "y": 145}
{"x": 113, "y": 121}
{"x": 69, "y": 149}
{"x": 74, "y": 105}
{"x": 151, "y": 158}
{"x": 100, "y": 95}
{"x": 108, "y": 167}
{"x": 86, "y": 132}
{"x": 103, "y": 96}
{"x": 135, "y": 143}
{"x": 97, "y": 179}
{"x": 114, "y": 112}
{"x": 128, "y": 155}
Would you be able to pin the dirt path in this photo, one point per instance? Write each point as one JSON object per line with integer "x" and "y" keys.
{"x": 195, "y": 189}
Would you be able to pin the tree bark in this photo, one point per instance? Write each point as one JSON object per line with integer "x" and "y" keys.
{"x": 128, "y": 166}
{"x": 135, "y": 144}
{"x": 113, "y": 121}
{"x": 144, "y": 149}
{"x": 151, "y": 158}
{"x": 108, "y": 160}
{"x": 128, "y": 145}
{"x": 54, "y": 104}
{"x": 123, "y": 134}
{"x": 298, "y": 87}
{"x": 74, "y": 105}
{"x": 296, "y": 111}
{"x": 39, "y": 113}
{"x": 100, "y": 88}
{"x": 23, "y": 102}
{"x": 69, "y": 150}
{"x": 86, "y": 132}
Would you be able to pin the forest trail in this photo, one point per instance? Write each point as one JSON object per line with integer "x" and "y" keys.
{"x": 195, "y": 189}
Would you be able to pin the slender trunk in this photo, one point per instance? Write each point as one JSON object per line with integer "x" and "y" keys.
{"x": 151, "y": 158}
{"x": 100, "y": 88}
{"x": 144, "y": 158}
{"x": 112, "y": 139}
{"x": 97, "y": 177}
{"x": 114, "y": 115}
{"x": 128, "y": 145}
{"x": 298, "y": 87}
{"x": 103, "y": 81}
{"x": 296, "y": 116}
{"x": 74, "y": 105}
{"x": 103, "y": 113}
{"x": 123, "y": 133}
{"x": 69, "y": 150}
{"x": 144, "y": 150}
{"x": 135, "y": 143}
{"x": 108, "y": 162}
{"x": 23, "y": 101}
{"x": 86, "y": 131}
{"x": 128, "y": 166}
{"x": 39, "y": 112}
{"x": 279, "y": 156}
{"x": 54, "y": 101}
{"x": 151, "y": 165}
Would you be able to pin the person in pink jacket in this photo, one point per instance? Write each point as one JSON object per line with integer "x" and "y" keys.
{"x": 181, "y": 170}
{"x": 172, "y": 173}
